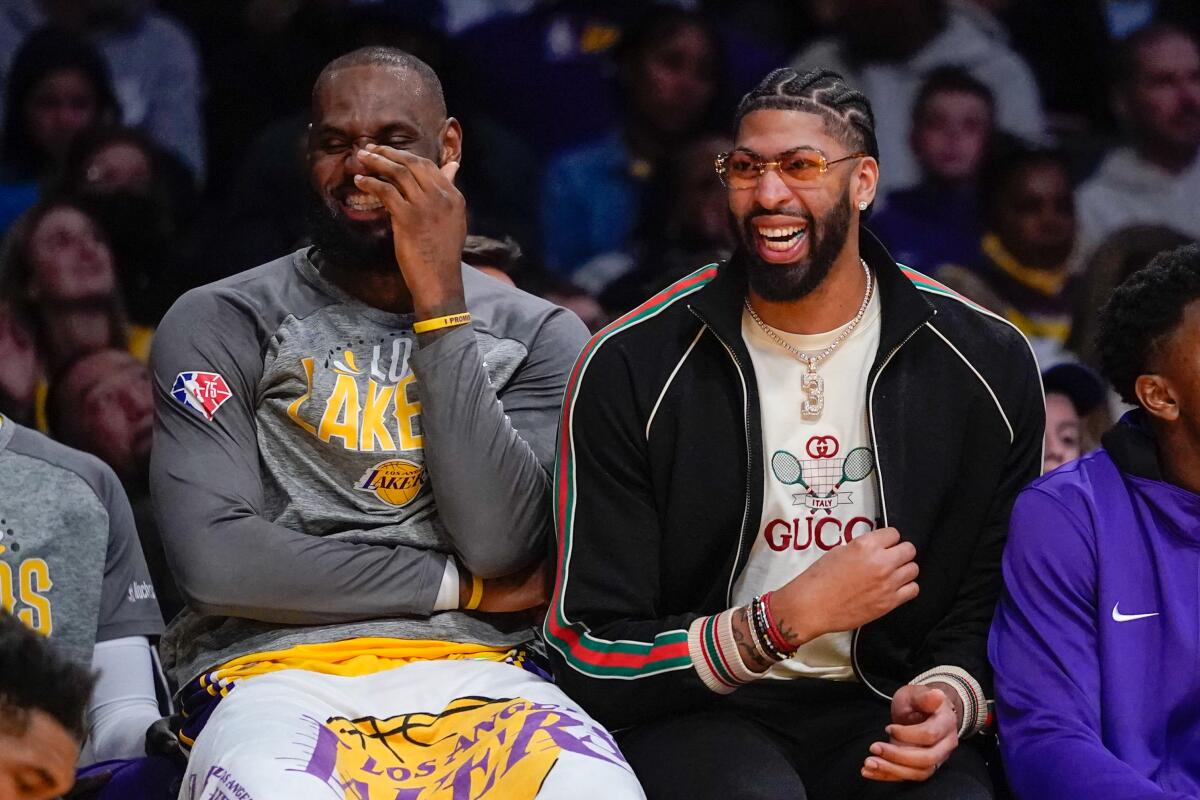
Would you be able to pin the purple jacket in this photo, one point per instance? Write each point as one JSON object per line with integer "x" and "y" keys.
{"x": 1095, "y": 641}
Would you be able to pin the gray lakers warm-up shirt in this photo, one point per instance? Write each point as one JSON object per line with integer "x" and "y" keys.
{"x": 71, "y": 565}
{"x": 314, "y": 466}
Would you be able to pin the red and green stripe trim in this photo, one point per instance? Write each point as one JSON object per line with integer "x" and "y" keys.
{"x": 928, "y": 284}
{"x": 586, "y": 653}
{"x": 710, "y": 645}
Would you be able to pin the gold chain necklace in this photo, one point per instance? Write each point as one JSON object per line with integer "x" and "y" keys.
{"x": 812, "y": 384}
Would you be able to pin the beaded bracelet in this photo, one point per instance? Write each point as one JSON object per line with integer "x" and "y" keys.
{"x": 773, "y": 631}
{"x": 761, "y": 630}
{"x": 760, "y": 644}
{"x": 756, "y": 639}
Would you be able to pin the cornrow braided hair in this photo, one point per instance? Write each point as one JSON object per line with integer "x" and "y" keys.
{"x": 846, "y": 111}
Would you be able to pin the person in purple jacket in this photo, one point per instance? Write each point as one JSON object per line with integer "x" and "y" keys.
{"x": 1096, "y": 639}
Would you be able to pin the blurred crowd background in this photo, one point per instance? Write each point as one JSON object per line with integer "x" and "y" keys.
{"x": 1033, "y": 153}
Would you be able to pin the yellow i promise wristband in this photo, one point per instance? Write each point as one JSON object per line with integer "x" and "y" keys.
{"x": 437, "y": 323}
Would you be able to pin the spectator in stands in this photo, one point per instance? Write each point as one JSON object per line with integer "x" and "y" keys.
{"x": 156, "y": 72}
{"x": 68, "y": 532}
{"x": 1094, "y": 641}
{"x": 1111, "y": 262}
{"x": 1072, "y": 391}
{"x": 887, "y": 47}
{"x": 143, "y": 197}
{"x": 694, "y": 228}
{"x": 57, "y": 272}
{"x": 18, "y": 366}
{"x": 1029, "y": 224}
{"x": 58, "y": 85}
{"x": 937, "y": 222}
{"x": 1155, "y": 179}
{"x": 496, "y": 258}
{"x": 103, "y": 403}
{"x": 592, "y": 197}
{"x": 1069, "y": 45}
{"x": 154, "y": 65}
{"x": 43, "y": 698}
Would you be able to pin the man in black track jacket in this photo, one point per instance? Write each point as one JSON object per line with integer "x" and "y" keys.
{"x": 754, "y": 466}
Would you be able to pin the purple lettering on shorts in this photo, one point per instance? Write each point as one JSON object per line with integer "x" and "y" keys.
{"x": 462, "y": 777}
{"x": 227, "y": 783}
{"x": 323, "y": 761}
{"x": 555, "y": 722}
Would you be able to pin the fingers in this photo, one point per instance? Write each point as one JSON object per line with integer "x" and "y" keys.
{"x": 884, "y": 537}
{"x": 925, "y": 733}
{"x": 888, "y": 542}
{"x": 902, "y": 553}
{"x": 425, "y": 174}
{"x": 896, "y": 762}
{"x": 385, "y": 192}
{"x": 929, "y": 699}
{"x": 400, "y": 175}
{"x": 905, "y": 573}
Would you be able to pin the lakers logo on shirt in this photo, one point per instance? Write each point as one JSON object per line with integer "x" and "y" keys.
{"x": 396, "y": 482}
{"x": 365, "y": 403}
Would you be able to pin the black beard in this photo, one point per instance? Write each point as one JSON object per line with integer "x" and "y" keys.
{"x": 783, "y": 283}
{"x": 345, "y": 244}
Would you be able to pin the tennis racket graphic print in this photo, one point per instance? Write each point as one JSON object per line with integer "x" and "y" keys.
{"x": 822, "y": 478}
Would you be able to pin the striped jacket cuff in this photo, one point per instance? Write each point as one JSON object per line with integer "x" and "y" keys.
{"x": 715, "y": 654}
{"x": 970, "y": 694}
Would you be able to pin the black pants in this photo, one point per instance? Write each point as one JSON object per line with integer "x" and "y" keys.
{"x": 795, "y": 739}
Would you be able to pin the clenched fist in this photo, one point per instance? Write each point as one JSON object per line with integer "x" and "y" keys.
{"x": 848, "y": 587}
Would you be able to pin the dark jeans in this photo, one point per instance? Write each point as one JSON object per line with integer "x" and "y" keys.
{"x": 795, "y": 739}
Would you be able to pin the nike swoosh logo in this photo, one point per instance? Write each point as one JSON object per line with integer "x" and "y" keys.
{"x": 1119, "y": 617}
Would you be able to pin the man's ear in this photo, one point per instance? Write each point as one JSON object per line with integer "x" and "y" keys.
{"x": 1157, "y": 396}
{"x": 451, "y": 141}
{"x": 866, "y": 182}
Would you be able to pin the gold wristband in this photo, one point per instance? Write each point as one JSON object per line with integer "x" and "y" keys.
{"x": 476, "y": 593}
{"x": 437, "y": 323}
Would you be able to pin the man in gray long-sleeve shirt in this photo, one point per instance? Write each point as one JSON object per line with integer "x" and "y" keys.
{"x": 351, "y": 476}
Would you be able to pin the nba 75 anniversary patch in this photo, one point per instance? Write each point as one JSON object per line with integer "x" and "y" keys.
{"x": 202, "y": 392}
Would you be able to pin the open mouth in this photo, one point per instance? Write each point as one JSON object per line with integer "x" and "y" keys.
{"x": 780, "y": 243}
{"x": 360, "y": 205}
{"x": 781, "y": 239}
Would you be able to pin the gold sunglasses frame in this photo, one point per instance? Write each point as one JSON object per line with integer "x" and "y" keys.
{"x": 719, "y": 164}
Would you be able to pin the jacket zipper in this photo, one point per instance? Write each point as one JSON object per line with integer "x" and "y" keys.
{"x": 882, "y": 497}
{"x": 749, "y": 462}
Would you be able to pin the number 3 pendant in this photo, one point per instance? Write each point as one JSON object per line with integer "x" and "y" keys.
{"x": 813, "y": 387}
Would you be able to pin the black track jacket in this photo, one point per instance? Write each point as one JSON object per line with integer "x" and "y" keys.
{"x": 658, "y": 491}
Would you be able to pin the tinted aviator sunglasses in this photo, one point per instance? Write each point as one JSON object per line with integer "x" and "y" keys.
{"x": 800, "y": 166}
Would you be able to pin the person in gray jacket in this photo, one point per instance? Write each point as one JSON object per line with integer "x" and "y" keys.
{"x": 351, "y": 475}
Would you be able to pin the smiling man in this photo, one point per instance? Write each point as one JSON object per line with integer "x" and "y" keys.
{"x": 351, "y": 474}
{"x": 755, "y": 465}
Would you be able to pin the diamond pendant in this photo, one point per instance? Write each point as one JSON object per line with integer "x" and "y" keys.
{"x": 813, "y": 387}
